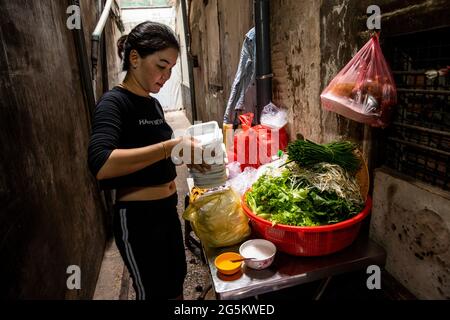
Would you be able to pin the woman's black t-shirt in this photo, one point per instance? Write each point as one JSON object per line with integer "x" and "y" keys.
{"x": 123, "y": 120}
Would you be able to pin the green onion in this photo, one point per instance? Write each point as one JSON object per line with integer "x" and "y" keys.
{"x": 307, "y": 153}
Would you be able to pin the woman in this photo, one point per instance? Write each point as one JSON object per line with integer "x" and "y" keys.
{"x": 130, "y": 150}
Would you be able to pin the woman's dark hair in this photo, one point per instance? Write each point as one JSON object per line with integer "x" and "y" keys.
{"x": 146, "y": 38}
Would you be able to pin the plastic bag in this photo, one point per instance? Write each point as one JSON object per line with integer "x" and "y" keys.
{"x": 234, "y": 169}
{"x": 243, "y": 181}
{"x": 364, "y": 90}
{"x": 217, "y": 219}
{"x": 273, "y": 117}
{"x": 254, "y": 146}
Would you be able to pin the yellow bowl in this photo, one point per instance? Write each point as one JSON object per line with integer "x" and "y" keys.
{"x": 225, "y": 266}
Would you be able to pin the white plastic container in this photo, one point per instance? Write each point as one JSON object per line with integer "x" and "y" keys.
{"x": 210, "y": 137}
{"x": 207, "y": 133}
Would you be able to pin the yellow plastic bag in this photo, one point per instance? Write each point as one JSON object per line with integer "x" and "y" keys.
{"x": 218, "y": 219}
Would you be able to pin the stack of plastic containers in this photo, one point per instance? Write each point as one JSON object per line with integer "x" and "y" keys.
{"x": 210, "y": 137}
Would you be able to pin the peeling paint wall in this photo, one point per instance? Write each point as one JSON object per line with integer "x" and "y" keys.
{"x": 296, "y": 62}
{"x": 312, "y": 41}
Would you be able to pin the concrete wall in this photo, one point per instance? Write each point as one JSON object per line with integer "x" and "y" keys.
{"x": 411, "y": 220}
{"x": 51, "y": 212}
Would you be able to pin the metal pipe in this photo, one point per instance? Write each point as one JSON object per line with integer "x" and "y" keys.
{"x": 263, "y": 55}
{"x": 95, "y": 40}
{"x": 96, "y": 35}
{"x": 103, "y": 48}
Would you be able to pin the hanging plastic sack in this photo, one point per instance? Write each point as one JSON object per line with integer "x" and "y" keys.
{"x": 254, "y": 146}
{"x": 217, "y": 218}
{"x": 364, "y": 90}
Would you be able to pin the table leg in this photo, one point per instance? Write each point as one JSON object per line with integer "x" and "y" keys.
{"x": 205, "y": 292}
{"x": 322, "y": 287}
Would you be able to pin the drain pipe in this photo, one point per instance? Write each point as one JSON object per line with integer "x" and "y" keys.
{"x": 95, "y": 39}
{"x": 263, "y": 55}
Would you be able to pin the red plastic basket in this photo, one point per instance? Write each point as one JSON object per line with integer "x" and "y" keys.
{"x": 309, "y": 241}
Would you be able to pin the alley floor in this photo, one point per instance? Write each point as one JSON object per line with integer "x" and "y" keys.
{"x": 114, "y": 282}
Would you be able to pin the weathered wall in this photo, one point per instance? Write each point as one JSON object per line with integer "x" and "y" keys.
{"x": 311, "y": 41}
{"x": 218, "y": 28}
{"x": 114, "y": 65}
{"x": 51, "y": 213}
{"x": 412, "y": 221}
{"x": 185, "y": 83}
{"x": 295, "y": 34}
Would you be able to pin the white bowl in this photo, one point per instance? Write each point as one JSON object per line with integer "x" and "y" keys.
{"x": 263, "y": 250}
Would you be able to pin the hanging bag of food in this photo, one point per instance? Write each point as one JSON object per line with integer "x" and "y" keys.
{"x": 364, "y": 90}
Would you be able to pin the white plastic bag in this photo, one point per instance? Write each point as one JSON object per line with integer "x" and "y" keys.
{"x": 273, "y": 117}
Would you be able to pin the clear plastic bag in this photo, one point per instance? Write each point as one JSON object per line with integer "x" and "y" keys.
{"x": 364, "y": 90}
{"x": 273, "y": 117}
{"x": 242, "y": 182}
{"x": 217, "y": 219}
{"x": 234, "y": 169}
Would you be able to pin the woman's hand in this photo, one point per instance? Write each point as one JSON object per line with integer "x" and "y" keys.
{"x": 194, "y": 159}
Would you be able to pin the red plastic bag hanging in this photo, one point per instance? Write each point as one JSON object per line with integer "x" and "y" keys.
{"x": 364, "y": 90}
{"x": 254, "y": 146}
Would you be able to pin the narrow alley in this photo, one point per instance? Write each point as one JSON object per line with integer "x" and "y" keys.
{"x": 307, "y": 144}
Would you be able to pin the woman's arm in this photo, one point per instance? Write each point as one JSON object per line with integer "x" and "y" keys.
{"x": 106, "y": 160}
{"x": 122, "y": 162}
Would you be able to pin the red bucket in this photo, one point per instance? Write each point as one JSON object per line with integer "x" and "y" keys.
{"x": 309, "y": 241}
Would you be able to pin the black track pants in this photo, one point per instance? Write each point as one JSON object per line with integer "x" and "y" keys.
{"x": 149, "y": 237}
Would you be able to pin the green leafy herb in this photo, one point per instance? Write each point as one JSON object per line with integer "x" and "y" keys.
{"x": 292, "y": 200}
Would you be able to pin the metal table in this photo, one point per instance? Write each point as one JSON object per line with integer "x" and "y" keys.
{"x": 288, "y": 271}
